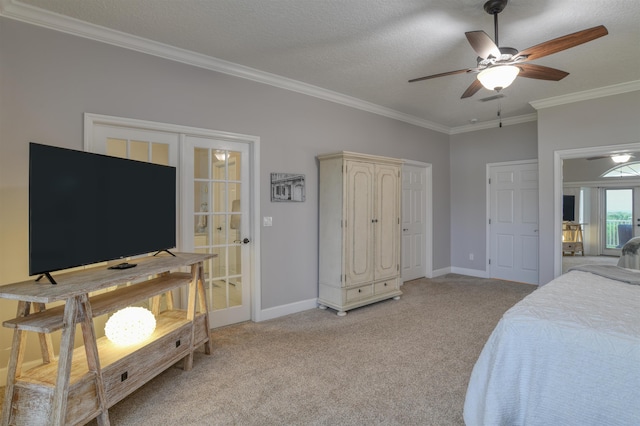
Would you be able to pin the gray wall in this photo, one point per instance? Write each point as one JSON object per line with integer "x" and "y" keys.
{"x": 612, "y": 120}
{"x": 49, "y": 79}
{"x": 470, "y": 153}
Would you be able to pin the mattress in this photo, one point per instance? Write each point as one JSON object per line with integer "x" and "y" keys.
{"x": 567, "y": 354}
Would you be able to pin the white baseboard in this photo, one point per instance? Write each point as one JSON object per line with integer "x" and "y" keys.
{"x": 470, "y": 272}
{"x": 439, "y": 272}
{"x": 282, "y": 310}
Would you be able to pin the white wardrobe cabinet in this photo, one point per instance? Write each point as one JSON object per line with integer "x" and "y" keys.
{"x": 359, "y": 230}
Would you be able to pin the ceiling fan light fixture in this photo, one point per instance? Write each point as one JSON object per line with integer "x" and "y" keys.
{"x": 498, "y": 77}
{"x": 620, "y": 158}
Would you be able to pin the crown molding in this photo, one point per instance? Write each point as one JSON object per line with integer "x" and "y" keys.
{"x": 510, "y": 121}
{"x": 601, "y": 92}
{"x": 13, "y": 9}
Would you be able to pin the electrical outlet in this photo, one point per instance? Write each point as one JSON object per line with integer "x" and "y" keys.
{"x": 470, "y": 256}
{"x": 267, "y": 221}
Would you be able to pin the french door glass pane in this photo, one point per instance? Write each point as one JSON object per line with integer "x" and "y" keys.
{"x": 139, "y": 150}
{"x": 201, "y": 163}
{"x": 116, "y": 147}
{"x": 160, "y": 153}
{"x": 218, "y": 191}
{"x": 235, "y": 291}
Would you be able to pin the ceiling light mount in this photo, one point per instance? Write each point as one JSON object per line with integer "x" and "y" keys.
{"x": 493, "y": 7}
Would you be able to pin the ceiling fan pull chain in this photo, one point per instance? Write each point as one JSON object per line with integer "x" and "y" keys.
{"x": 500, "y": 113}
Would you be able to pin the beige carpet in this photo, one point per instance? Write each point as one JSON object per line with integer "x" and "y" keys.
{"x": 404, "y": 362}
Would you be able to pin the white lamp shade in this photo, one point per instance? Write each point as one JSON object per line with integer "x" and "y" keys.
{"x": 130, "y": 325}
{"x": 498, "y": 77}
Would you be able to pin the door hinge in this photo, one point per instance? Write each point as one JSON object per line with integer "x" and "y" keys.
{"x": 398, "y": 221}
{"x": 489, "y": 261}
{"x": 489, "y": 181}
{"x": 489, "y": 221}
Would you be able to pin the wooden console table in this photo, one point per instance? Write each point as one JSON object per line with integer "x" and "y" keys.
{"x": 572, "y": 238}
{"x": 83, "y": 383}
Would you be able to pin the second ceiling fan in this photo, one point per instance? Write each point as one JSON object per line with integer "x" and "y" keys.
{"x": 497, "y": 67}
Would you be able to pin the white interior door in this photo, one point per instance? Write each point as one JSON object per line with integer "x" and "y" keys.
{"x": 513, "y": 224}
{"x": 413, "y": 222}
{"x": 216, "y": 194}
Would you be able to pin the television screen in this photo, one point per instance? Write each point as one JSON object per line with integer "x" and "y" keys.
{"x": 568, "y": 208}
{"x": 86, "y": 208}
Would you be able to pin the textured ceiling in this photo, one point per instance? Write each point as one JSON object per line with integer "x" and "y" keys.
{"x": 368, "y": 49}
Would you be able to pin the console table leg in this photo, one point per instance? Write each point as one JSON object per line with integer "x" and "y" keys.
{"x": 93, "y": 359}
{"x": 191, "y": 313}
{"x": 202, "y": 299}
{"x": 61, "y": 391}
{"x": 15, "y": 364}
{"x": 46, "y": 345}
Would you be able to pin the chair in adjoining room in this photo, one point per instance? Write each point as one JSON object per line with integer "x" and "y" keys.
{"x": 625, "y": 233}
{"x": 630, "y": 257}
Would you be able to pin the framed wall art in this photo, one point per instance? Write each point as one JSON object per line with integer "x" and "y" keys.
{"x": 287, "y": 187}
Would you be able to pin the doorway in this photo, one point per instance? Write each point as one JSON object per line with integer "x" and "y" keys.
{"x": 218, "y": 195}
{"x": 559, "y": 157}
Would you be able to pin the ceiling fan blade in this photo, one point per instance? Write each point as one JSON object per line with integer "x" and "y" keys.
{"x": 541, "y": 72}
{"x": 564, "y": 42}
{"x": 482, "y": 44}
{"x": 472, "y": 89}
{"x": 443, "y": 74}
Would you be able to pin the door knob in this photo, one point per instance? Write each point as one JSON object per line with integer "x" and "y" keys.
{"x": 405, "y": 229}
{"x": 245, "y": 241}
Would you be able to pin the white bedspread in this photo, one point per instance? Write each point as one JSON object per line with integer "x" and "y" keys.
{"x": 567, "y": 354}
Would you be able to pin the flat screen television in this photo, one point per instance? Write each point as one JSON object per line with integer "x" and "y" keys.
{"x": 86, "y": 208}
{"x": 568, "y": 208}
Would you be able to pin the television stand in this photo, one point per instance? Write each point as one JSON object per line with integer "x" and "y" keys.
{"x": 81, "y": 384}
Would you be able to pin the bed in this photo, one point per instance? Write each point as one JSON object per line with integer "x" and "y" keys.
{"x": 567, "y": 354}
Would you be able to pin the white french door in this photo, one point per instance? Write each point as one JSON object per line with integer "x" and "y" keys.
{"x": 215, "y": 194}
{"x": 215, "y": 187}
{"x": 513, "y": 217}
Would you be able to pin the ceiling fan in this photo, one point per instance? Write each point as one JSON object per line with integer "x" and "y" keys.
{"x": 499, "y": 66}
